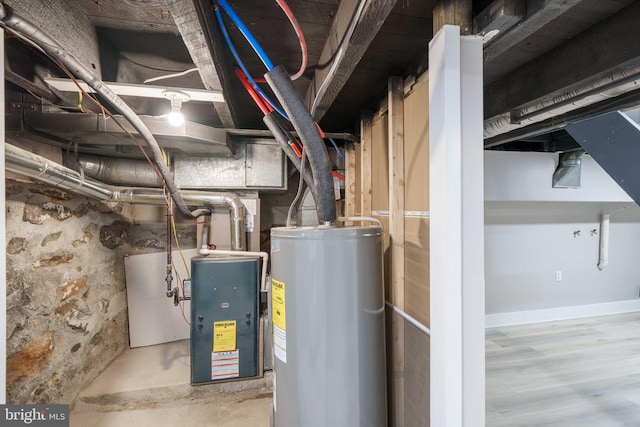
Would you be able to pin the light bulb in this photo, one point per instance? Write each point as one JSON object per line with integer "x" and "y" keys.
{"x": 175, "y": 117}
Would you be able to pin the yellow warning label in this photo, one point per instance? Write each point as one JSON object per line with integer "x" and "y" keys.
{"x": 278, "y": 309}
{"x": 224, "y": 335}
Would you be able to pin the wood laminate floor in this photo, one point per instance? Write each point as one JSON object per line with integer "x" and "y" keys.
{"x": 583, "y": 372}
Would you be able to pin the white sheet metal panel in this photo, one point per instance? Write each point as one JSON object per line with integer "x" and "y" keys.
{"x": 153, "y": 319}
{"x": 456, "y": 242}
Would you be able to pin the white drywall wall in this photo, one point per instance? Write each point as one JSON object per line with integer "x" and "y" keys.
{"x": 529, "y": 236}
{"x": 519, "y": 176}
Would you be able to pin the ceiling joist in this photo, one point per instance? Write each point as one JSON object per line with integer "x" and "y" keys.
{"x": 188, "y": 23}
{"x": 342, "y": 58}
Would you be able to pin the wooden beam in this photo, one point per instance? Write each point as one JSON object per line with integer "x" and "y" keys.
{"x": 66, "y": 23}
{"x": 396, "y": 188}
{"x": 188, "y": 22}
{"x": 612, "y": 46}
{"x": 453, "y": 12}
{"x": 539, "y": 13}
{"x": 366, "y": 141}
{"x": 328, "y": 81}
{"x": 498, "y": 18}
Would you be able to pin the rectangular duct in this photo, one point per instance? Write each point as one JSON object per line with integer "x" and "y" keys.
{"x": 97, "y": 130}
{"x": 257, "y": 164}
{"x": 613, "y": 140}
{"x": 568, "y": 174}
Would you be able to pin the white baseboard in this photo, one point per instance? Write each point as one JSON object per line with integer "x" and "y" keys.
{"x": 560, "y": 313}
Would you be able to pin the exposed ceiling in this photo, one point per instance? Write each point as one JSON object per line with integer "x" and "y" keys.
{"x": 551, "y": 62}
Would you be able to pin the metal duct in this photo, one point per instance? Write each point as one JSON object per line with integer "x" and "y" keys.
{"x": 568, "y": 174}
{"x": 115, "y": 170}
{"x": 31, "y": 165}
{"x": 603, "y": 88}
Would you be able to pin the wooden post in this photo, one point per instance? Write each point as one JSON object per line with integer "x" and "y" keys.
{"x": 351, "y": 190}
{"x": 396, "y": 188}
{"x": 396, "y": 241}
{"x": 366, "y": 140}
{"x": 453, "y": 12}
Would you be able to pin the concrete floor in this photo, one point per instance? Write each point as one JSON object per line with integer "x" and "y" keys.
{"x": 149, "y": 386}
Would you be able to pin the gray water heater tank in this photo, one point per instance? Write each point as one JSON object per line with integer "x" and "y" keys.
{"x": 328, "y": 319}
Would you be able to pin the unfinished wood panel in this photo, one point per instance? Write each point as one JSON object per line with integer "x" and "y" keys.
{"x": 366, "y": 168}
{"x": 416, "y": 146}
{"x": 395, "y": 368}
{"x": 416, "y": 401}
{"x": 416, "y": 291}
{"x": 379, "y": 164}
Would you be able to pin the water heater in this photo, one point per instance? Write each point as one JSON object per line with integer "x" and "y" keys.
{"x": 328, "y": 327}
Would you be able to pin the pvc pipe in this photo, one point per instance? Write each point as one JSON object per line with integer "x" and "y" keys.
{"x": 361, "y": 219}
{"x": 263, "y": 255}
{"x": 604, "y": 241}
{"x": 410, "y": 319}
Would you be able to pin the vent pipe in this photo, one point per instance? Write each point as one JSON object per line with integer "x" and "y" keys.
{"x": 38, "y": 168}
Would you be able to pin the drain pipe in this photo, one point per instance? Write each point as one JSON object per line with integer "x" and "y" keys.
{"x": 28, "y": 30}
{"x": 31, "y": 165}
{"x": 604, "y": 241}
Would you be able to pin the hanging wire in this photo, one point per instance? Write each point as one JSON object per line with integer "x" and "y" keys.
{"x": 337, "y": 149}
{"x": 170, "y": 76}
{"x": 181, "y": 302}
{"x": 303, "y": 44}
{"x": 175, "y": 235}
{"x": 247, "y": 34}
{"x": 300, "y": 186}
{"x": 338, "y": 57}
{"x": 234, "y": 52}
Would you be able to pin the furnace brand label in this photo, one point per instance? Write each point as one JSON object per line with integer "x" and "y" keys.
{"x": 225, "y": 364}
{"x": 224, "y": 335}
{"x": 279, "y": 317}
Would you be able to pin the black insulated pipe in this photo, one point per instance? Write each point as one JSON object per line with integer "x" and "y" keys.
{"x": 272, "y": 123}
{"x": 282, "y": 86}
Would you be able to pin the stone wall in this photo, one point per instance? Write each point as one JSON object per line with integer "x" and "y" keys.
{"x": 66, "y": 299}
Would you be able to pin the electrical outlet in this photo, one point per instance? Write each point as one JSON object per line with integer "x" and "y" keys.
{"x": 558, "y": 275}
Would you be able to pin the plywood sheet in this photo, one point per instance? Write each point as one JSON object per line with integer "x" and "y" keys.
{"x": 380, "y": 164}
{"x": 416, "y": 147}
{"x": 417, "y": 269}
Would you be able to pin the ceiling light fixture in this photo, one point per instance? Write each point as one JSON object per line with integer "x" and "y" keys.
{"x": 139, "y": 90}
{"x": 175, "y": 116}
